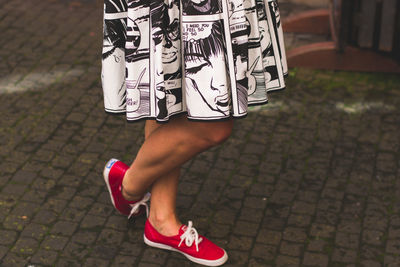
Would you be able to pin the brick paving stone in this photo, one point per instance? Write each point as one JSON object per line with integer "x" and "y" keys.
{"x": 99, "y": 209}
{"x": 273, "y": 223}
{"x": 71, "y": 214}
{"x": 24, "y": 177}
{"x": 96, "y": 262}
{"x": 352, "y": 227}
{"x": 177, "y": 262}
{"x": 7, "y": 237}
{"x": 122, "y": 260}
{"x": 372, "y": 237}
{"x": 219, "y": 231}
{"x": 3, "y": 251}
{"x": 79, "y": 202}
{"x": 132, "y": 249}
{"x": 110, "y": 237}
{"x": 344, "y": 255}
{"x": 25, "y": 246}
{"x": 294, "y": 234}
{"x": 155, "y": 256}
{"x": 12, "y": 259}
{"x": 75, "y": 251}
{"x": 299, "y": 220}
{"x": 324, "y": 217}
{"x": 291, "y": 249}
{"x": 15, "y": 190}
{"x": 45, "y": 217}
{"x": 315, "y": 259}
{"x": 283, "y": 260}
{"x": 393, "y": 246}
{"x": 15, "y": 222}
{"x": 251, "y": 215}
{"x": 101, "y": 251}
{"x": 84, "y": 237}
{"x": 269, "y": 237}
{"x": 347, "y": 240}
{"x": 54, "y": 242}
{"x": 242, "y": 243}
{"x": 245, "y": 228}
{"x": 391, "y": 260}
{"x": 63, "y": 228}
{"x": 264, "y": 252}
{"x": 322, "y": 230}
{"x": 36, "y": 231}
{"x": 43, "y": 257}
{"x": 370, "y": 263}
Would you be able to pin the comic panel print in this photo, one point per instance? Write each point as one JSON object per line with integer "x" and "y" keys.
{"x": 276, "y": 19}
{"x": 167, "y": 61}
{"x": 113, "y": 55}
{"x": 256, "y": 80}
{"x": 207, "y": 90}
{"x": 268, "y": 54}
{"x": 138, "y": 59}
{"x": 271, "y": 50}
{"x": 201, "y": 7}
{"x": 239, "y": 29}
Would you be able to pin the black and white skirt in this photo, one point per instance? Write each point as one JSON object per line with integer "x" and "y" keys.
{"x": 210, "y": 59}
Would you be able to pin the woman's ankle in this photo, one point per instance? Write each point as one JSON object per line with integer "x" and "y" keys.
{"x": 127, "y": 191}
{"x": 165, "y": 225}
{"x": 129, "y": 197}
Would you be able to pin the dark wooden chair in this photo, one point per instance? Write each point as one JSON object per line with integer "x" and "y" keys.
{"x": 365, "y": 36}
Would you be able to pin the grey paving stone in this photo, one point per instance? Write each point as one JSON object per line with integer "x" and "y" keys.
{"x": 64, "y": 262}
{"x": 36, "y": 231}
{"x": 283, "y": 260}
{"x": 54, "y": 242}
{"x": 25, "y": 246}
{"x": 315, "y": 259}
{"x": 7, "y": 237}
{"x": 43, "y": 257}
{"x": 344, "y": 255}
{"x": 96, "y": 262}
{"x": 294, "y": 234}
{"x": 12, "y": 259}
{"x": 122, "y": 260}
{"x": 84, "y": 237}
{"x": 245, "y": 228}
{"x": 291, "y": 249}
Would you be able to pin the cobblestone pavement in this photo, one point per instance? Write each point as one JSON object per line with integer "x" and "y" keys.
{"x": 312, "y": 179}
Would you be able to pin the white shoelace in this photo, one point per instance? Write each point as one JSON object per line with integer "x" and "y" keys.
{"x": 190, "y": 235}
{"x": 136, "y": 206}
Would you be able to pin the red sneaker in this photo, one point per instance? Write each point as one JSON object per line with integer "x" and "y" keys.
{"x": 193, "y": 246}
{"x": 113, "y": 173}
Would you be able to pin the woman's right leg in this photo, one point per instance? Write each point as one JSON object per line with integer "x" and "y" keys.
{"x": 168, "y": 147}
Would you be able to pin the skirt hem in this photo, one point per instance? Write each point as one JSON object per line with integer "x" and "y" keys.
{"x": 182, "y": 113}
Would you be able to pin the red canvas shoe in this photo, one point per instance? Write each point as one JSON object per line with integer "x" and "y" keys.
{"x": 188, "y": 242}
{"x": 113, "y": 173}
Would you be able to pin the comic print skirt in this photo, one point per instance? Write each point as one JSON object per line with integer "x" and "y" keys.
{"x": 210, "y": 59}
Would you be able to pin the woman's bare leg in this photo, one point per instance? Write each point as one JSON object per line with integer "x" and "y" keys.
{"x": 168, "y": 147}
{"x": 163, "y": 196}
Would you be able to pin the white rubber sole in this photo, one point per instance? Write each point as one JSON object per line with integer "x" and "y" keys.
{"x": 218, "y": 262}
{"x": 106, "y": 172}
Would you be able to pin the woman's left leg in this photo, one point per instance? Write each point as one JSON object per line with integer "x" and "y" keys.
{"x": 163, "y": 197}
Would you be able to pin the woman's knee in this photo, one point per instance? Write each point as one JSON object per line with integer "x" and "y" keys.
{"x": 218, "y": 132}
{"x": 150, "y": 127}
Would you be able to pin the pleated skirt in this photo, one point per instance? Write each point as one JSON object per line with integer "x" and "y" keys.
{"x": 209, "y": 59}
